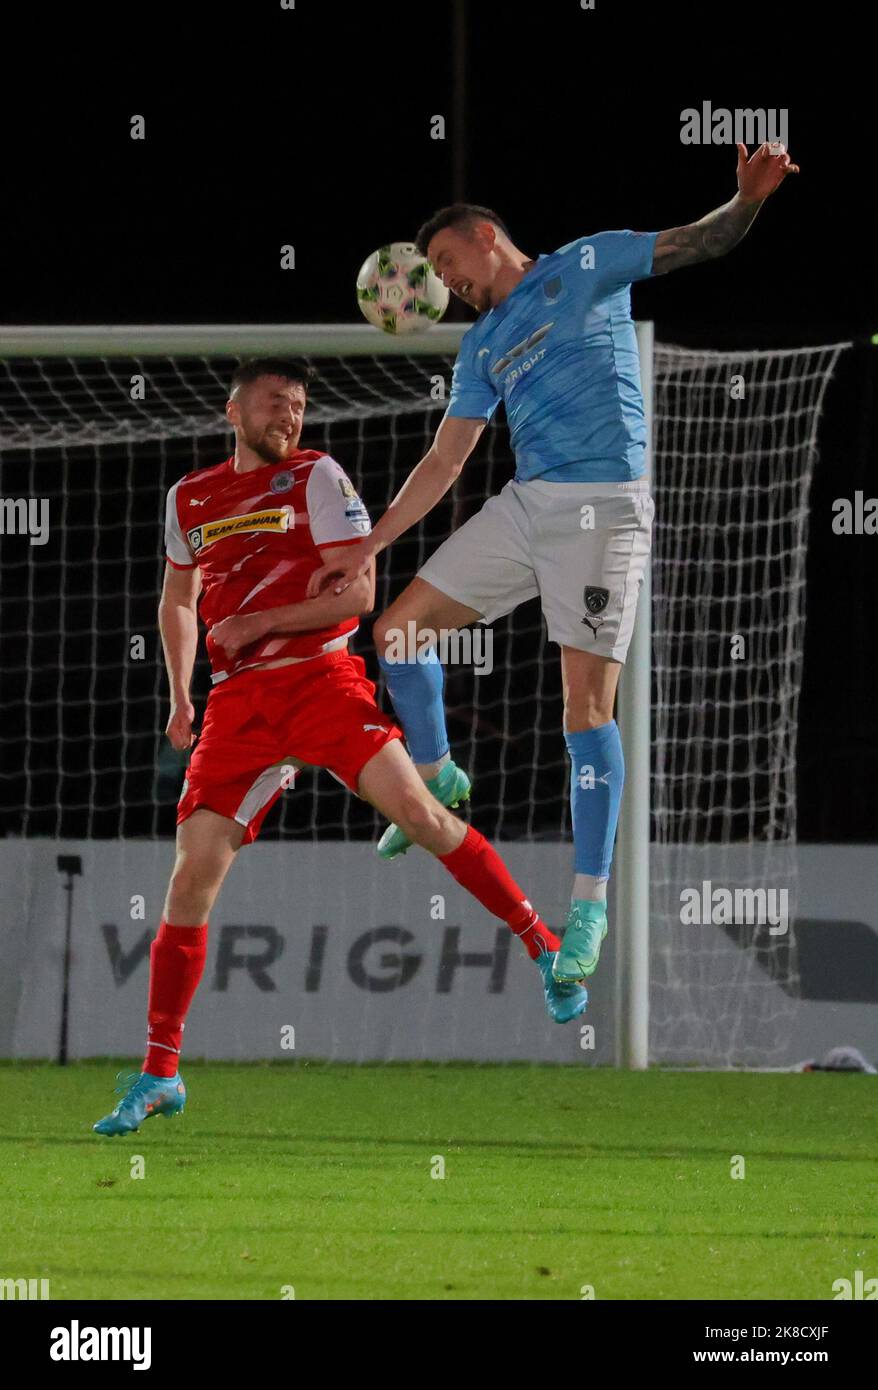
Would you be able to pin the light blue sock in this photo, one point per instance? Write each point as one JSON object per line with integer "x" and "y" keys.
{"x": 597, "y": 775}
{"x": 416, "y": 691}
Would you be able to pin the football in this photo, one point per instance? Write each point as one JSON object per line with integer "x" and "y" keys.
{"x": 398, "y": 291}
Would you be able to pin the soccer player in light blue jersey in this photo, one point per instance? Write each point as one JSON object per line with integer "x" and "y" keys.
{"x": 555, "y": 341}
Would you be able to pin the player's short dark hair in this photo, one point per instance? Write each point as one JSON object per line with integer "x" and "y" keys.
{"x": 457, "y": 215}
{"x": 290, "y": 368}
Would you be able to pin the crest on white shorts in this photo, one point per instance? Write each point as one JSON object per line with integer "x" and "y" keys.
{"x": 595, "y": 600}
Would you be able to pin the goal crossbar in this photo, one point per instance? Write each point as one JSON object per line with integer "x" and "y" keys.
{"x": 221, "y": 339}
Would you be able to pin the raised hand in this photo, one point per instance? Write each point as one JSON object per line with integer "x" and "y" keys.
{"x": 764, "y": 171}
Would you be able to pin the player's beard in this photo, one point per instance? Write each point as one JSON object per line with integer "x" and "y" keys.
{"x": 480, "y": 300}
{"x": 269, "y": 447}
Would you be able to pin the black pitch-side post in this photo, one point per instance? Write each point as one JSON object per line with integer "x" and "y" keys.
{"x": 455, "y": 312}
{"x": 71, "y": 865}
{"x": 459, "y": 132}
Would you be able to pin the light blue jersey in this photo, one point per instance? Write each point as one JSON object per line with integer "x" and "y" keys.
{"x": 561, "y": 352}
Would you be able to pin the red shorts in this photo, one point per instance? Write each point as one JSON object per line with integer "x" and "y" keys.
{"x": 321, "y": 712}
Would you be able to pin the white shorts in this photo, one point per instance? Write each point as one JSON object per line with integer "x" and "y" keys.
{"x": 583, "y": 547}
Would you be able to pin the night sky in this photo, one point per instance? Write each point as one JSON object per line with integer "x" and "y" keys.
{"x": 311, "y": 127}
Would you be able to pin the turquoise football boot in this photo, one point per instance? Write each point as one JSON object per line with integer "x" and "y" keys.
{"x": 584, "y": 931}
{"x": 564, "y": 1001}
{"x": 146, "y": 1096}
{"x": 450, "y": 786}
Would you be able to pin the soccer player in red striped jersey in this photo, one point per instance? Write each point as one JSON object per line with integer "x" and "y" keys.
{"x": 246, "y": 535}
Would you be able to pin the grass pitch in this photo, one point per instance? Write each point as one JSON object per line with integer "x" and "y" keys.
{"x": 319, "y": 1177}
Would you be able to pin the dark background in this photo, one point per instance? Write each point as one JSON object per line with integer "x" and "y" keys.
{"x": 312, "y": 127}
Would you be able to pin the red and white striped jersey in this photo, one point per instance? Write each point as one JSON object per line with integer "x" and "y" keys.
{"x": 256, "y": 537}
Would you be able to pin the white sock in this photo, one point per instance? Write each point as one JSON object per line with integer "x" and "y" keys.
{"x": 428, "y": 770}
{"x": 589, "y": 889}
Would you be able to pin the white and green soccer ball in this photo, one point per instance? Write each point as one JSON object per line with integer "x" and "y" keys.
{"x": 398, "y": 291}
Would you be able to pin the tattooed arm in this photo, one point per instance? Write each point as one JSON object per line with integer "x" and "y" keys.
{"x": 713, "y": 236}
{"x": 723, "y": 228}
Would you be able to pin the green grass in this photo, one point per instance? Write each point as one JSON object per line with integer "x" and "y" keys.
{"x": 319, "y": 1177}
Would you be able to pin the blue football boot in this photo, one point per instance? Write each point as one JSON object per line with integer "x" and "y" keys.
{"x": 145, "y": 1096}
{"x": 563, "y": 1001}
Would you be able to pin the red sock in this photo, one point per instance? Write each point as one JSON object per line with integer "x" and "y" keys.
{"x": 176, "y": 958}
{"x": 479, "y": 869}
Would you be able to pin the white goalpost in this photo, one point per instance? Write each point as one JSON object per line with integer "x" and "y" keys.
{"x": 101, "y": 420}
{"x": 631, "y": 873}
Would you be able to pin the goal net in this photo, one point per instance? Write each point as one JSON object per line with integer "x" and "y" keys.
{"x": 735, "y": 449}
{"x": 101, "y": 438}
